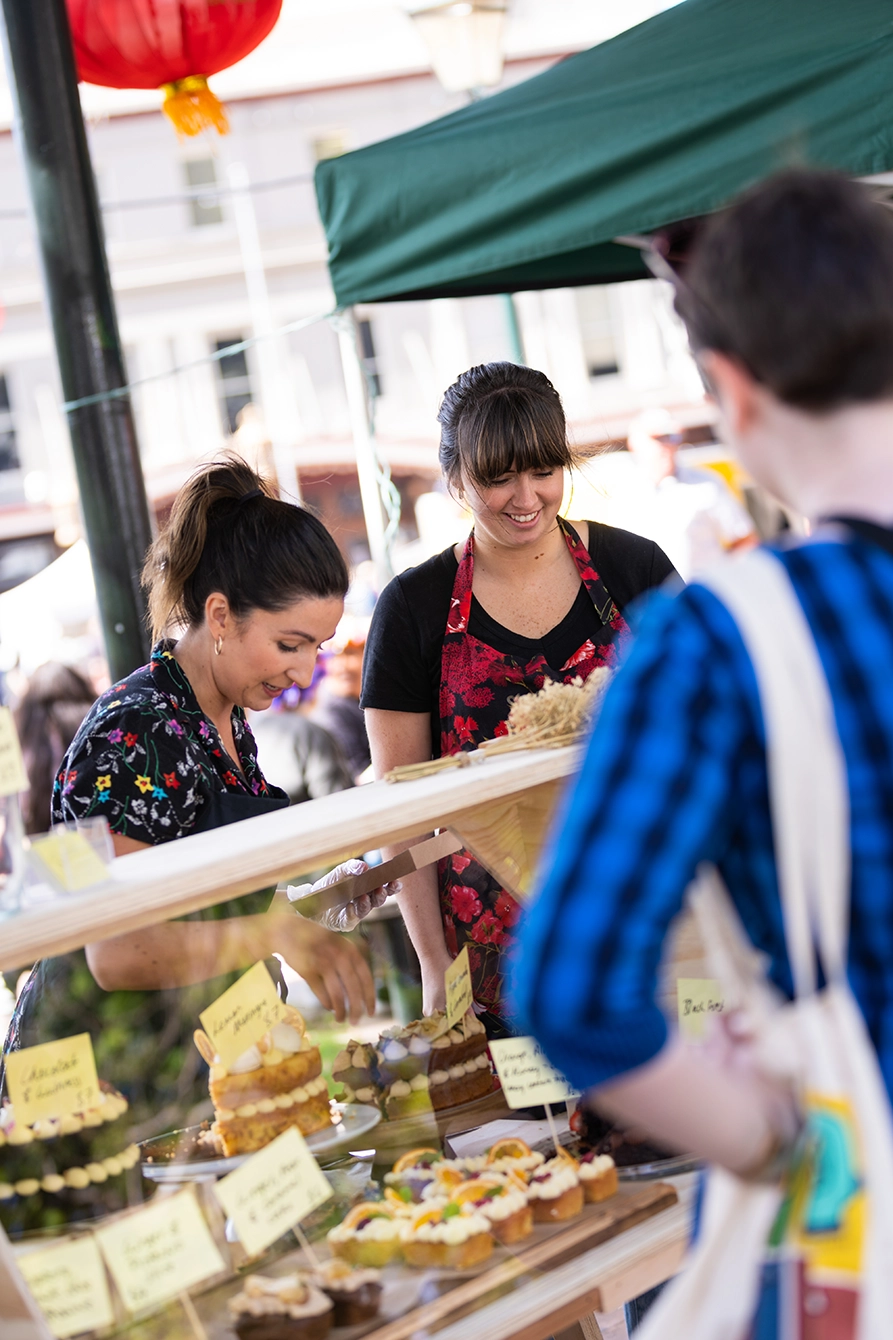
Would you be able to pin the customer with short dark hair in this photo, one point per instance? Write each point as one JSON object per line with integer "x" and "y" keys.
{"x": 51, "y": 709}
{"x": 789, "y": 306}
{"x": 527, "y": 599}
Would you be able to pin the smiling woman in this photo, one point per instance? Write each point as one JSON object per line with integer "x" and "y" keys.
{"x": 254, "y": 585}
{"x": 527, "y": 599}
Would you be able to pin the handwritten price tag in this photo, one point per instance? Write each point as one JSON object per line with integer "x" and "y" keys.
{"x": 13, "y": 777}
{"x": 160, "y": 1251}
{"x": 274, "y": 1190}
{"x": 698, "y": 998}
{"x": 53, "y": 1079}
{"x": 69, "y": 860}
{"x": 69, "y": 1286}
{"x": 243, "y": 1014}
{"x": 527, "y": 1078}
{"x": 457, "y": 980}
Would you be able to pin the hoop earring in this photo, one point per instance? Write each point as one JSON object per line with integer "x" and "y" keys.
{"x": 218, "y": 645}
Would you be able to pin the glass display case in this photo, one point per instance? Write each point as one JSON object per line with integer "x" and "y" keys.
{"x": 177, "y": 1140}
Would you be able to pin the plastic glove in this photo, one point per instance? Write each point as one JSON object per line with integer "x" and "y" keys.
{"x": 344, "y": 918}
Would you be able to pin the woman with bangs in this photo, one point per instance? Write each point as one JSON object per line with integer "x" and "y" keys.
{"x": 528, "y": 598}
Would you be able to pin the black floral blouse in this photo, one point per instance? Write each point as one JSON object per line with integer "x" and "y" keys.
{"x": 147, "y": 759}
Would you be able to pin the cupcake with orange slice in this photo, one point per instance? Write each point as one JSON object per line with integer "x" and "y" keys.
{"x": 412, "y": 1173}
{"x": 447, "y": 1235}
{"x": 502, "y": 1200}
{"x": 598, "y": 1174}
{"x": 555, "y": 1190}
{"x": 511, "y": 1155}
{"x": 369, "y": 1235}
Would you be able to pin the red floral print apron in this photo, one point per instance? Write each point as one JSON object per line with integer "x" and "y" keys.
{"x": 477, "y": 685}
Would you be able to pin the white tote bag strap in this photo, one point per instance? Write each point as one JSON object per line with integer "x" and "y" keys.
{"x": 808, "y": 790}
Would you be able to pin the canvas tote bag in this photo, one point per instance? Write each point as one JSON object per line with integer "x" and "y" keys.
{"x": 812, "y": 1260}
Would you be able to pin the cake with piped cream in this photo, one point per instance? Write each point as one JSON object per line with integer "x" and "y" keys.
{"x": 276, "y": 1083}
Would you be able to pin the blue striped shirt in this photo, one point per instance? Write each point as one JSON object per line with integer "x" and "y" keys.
{"x": 674, "y": 775}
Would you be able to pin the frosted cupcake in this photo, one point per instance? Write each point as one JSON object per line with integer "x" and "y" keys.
{"x": 555, "y": 1191}
{"x": 447, "y": 1234}
{"x": 288, "y": 1308}
{"x": 598, "y": 1175}
{"x": 368, "y": 1236}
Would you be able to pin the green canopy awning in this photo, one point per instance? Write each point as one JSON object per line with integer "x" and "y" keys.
{"x": 529, "y": 188}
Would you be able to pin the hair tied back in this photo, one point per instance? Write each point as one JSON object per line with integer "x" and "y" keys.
{"x": 252, "y": 493}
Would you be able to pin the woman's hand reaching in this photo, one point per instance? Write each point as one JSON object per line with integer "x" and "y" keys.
{"x": 347, "y": 917}
{"x": 333, "y": 968}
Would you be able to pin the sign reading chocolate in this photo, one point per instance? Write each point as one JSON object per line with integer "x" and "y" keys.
{"x": 242, "y": 1015}
{"x": 527, "y": 1078}
{"x": 274, "y": 1190}
{"x": 160, "y": 1251}
{"x": 457, "y": 980}
{"x": 698, "y": 998}
{"x": 52, "y": 1079}
{"x": 69, "y": 1285}
{"x": 13, "y": 777}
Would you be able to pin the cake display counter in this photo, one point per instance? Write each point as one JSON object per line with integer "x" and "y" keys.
{"x": 259, "y": 1188}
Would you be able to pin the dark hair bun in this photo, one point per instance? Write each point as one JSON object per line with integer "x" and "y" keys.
{"x": 229, "y": 532}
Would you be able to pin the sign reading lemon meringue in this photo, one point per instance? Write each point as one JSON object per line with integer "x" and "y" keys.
{"x": 273, "y": 1191}
{"x": 53, "y": 1079}
{"x": 242, "y": 1015}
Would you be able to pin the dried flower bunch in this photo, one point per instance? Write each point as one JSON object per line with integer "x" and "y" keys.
{"x": 554, "y": 716}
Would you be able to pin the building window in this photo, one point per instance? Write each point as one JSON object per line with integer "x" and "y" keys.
{"x": 204, "y": 209}
{"x": 332, "y": 145}
{"x": 369, "y": 356}
{"x": 233, "y": 383}
{"x": 597, "y": 331}
{"x": 9, "y": 455}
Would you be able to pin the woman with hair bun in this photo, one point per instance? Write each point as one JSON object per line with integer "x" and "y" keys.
{"x": 253, "y": 585}
{"x": 526, "y": 599}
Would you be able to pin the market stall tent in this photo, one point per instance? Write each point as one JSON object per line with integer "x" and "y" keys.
{"x": 530, "y": 188}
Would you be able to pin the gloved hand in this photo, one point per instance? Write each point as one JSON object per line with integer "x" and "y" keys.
{"x": 344, "y": 918}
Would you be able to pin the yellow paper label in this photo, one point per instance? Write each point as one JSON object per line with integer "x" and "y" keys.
{"x": 69, "y": 1285}
{"x": 243, "y": 1014}
{"x": 457, "y": 980}
{"x": 160, "y": 1251}
{"x": 52, "y": 1079}
{"x": 69, "y": 860}
{"x": 13, "y": 777}
{"x": 527, "y": 1078}
{"x": 274, "y": 1190}
{"x": 698, "y": 998}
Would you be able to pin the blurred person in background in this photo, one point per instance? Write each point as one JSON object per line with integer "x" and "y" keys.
{"x": 48, "y": 716}
{"x": 296, "y": 752}
{"x": 688, "y": 510}
{"x": 337, "y": 704}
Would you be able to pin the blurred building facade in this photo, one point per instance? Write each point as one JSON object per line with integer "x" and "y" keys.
{"x": 178, "y": 255}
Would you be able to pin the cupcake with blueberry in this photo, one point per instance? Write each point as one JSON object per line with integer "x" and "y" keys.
{"x": 598, "y": 1174}
{"x": 555, "y": 1191}
{"x": 368, "y": 1236}
{"x": 446, "y": 1234}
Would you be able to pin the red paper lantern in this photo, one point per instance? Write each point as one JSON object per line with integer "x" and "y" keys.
{"x": 169, "y": 44}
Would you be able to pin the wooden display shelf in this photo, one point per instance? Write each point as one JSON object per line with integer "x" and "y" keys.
{"x": 564, "y": 1272}
{"x": 195, "y": 872}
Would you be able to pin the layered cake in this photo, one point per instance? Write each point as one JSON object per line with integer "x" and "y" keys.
{"x": 276, "y": 1083}
{"x": 62, "y": 1160}
{"x": 414, "y": 1069}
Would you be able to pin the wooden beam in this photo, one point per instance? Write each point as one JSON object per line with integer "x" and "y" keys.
{"x": 507, "y": 836}
{"x": 196, "y": 872}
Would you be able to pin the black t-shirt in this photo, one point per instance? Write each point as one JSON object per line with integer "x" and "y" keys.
{"x": 401, "y": 666}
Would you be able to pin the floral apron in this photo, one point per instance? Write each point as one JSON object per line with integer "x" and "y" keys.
{"x": 477, "y": 685}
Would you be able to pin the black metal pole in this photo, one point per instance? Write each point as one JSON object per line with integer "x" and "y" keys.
{"x": 53, "y": 143}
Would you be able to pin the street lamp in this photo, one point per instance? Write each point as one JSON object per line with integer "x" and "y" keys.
{"x": 464, "y": 41}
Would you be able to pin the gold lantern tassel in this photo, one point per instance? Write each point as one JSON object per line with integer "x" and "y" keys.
{"x": 192, "y": 107}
